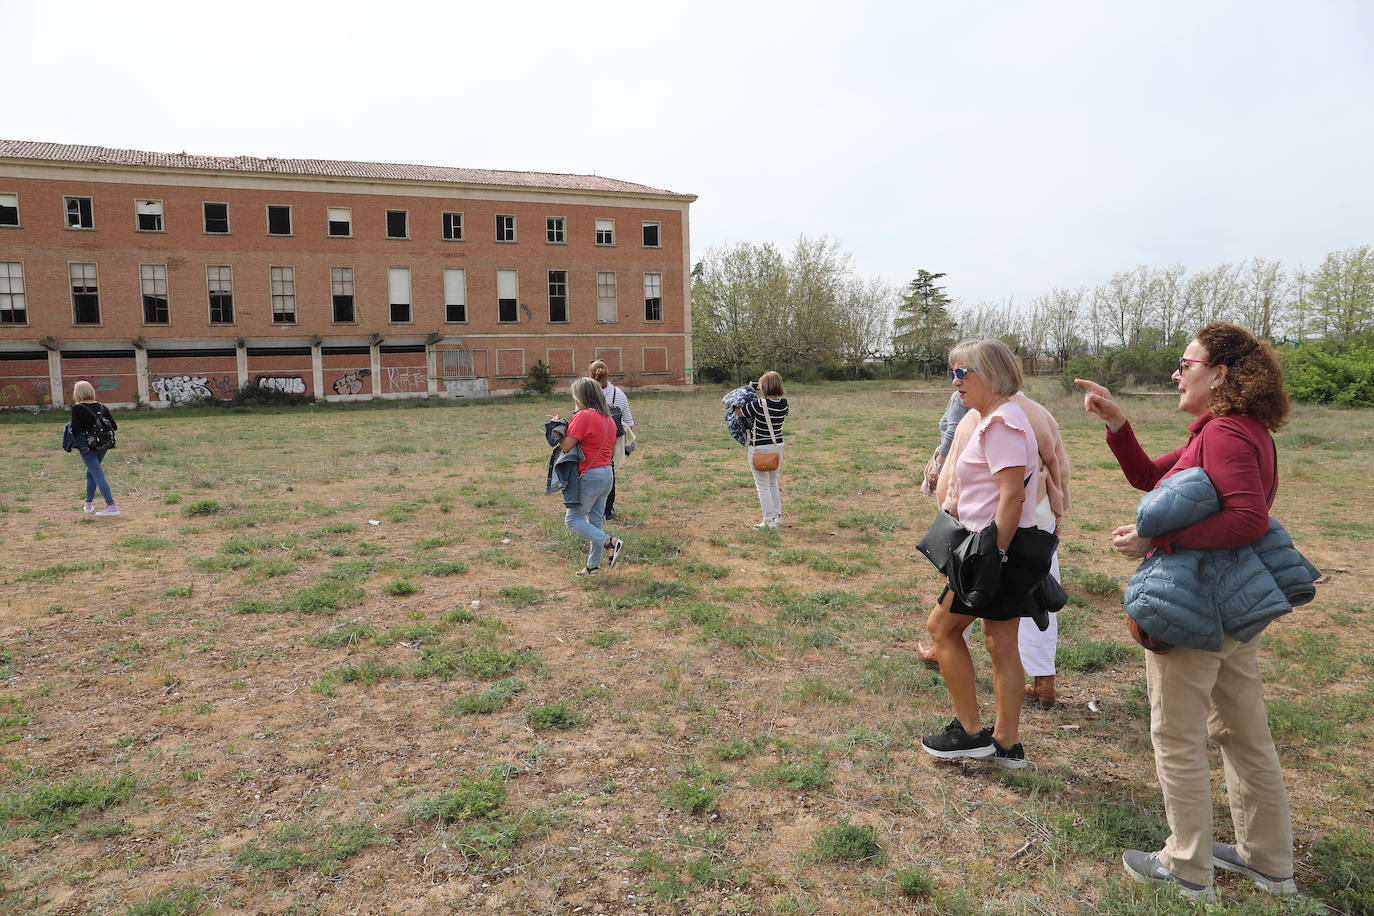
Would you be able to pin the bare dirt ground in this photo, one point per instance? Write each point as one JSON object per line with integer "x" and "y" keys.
{"x": 256, "y": 670}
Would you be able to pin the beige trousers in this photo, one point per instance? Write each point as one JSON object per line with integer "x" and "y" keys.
{"x": 1195, "y": 695}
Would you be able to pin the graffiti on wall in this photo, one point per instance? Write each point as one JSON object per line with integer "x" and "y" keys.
{"x": 180, "y": 388}
{"x": 291, "y": 384}
{"x": 105, "y": 383}
{"x": 406, "y": 380}
{"x": 10, "y": 394}
{"x": 351, "y": 382}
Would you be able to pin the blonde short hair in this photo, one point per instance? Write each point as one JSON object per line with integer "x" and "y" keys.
{"x": 83, "y": 391}
{"x": 770, "y": 385}
{"x": 994, "y": 362}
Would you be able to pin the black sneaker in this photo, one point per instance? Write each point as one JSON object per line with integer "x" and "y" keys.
{"x": 955, "y": 742}
{"x": 1146, "y": 868}
{"x": 1225, "y": 857}
{"x": 1011, "y": 758}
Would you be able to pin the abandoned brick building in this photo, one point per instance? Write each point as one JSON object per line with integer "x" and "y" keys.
{"x": 161, "y": 277}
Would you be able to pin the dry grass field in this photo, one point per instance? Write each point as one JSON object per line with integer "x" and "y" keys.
{"x": 334, "y": 660}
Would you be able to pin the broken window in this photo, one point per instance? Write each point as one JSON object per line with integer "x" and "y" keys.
{"x": 284, "y": 295}
{"x": 453, "y": 227}
{"x": 455, "y": 294}
{"x": 216, "y": 218}
{"x": 340, "y": 221}
{"x": 79, "y": 213}
{"x": 9, "y": 209}
{"x": 154, "y": 279}
{"x": 558, "y": 295}
{"x": 12, "y": 307}
{"x": 221, "y": 283}
{"x": 505, "y": 228}
{"x": 555, "y": 229}
{"x": 278, "y": 220}
{"x": 651, "y": 235}
{"x": 396, "y": 224}
{"x": 507, "y": 295}
{"x": 85, "y": 297}
{"x": 341, "y": 283}
{"x": 398, "y": 279}
{"x": 653, "y": 297}
{"x": 149, "y": 215}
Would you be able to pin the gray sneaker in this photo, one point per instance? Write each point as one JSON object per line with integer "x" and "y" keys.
{"x": 1225, "y": 857}
{"x": 1145, "y": 868}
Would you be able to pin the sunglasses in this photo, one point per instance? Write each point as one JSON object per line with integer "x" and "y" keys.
{"x": 958, "y": 374}
{"x": 1183, "y": 362}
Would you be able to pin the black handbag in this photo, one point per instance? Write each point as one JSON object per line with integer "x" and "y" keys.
{"x": 937, "y": 544}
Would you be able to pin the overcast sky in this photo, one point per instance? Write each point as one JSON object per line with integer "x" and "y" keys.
{"x": 1015, "y": 146}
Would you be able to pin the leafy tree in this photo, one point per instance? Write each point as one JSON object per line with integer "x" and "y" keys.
{"x": 1341, "y": 292}
{"x": 924, "y": 331}
{"x": 733, "y": 290}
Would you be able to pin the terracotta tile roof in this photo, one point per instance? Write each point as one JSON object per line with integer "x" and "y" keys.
{"x": 385, "y": 171}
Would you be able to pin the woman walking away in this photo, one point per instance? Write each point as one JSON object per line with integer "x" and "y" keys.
{"x": 593, "y": 429}
{"x": 1232, "y": 384}
{"x": 766, "y": 414}
{"x": 615, "y": 398}
{"x": 998, "y": 480}
{"x": 93, "y": 428}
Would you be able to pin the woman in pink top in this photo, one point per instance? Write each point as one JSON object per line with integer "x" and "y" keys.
{"x": 997, "y": 482}
{"x": 592, "y": 428}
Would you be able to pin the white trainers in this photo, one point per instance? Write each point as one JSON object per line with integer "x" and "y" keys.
{"x": 88, "y": 508}
{"x": 108, "y": 511}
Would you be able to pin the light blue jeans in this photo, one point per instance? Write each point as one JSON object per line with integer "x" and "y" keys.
{"x": 95, "y": 476}
{"x": 586, "y": 517}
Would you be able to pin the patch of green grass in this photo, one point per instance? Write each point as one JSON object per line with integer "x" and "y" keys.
{"x": 797, "y": 776}
{"x": 739, "y": 748}
{"x": 552, "y": 715}
{"x": 143, "y": 543}
{"x": 494, "y": 698}
{"x": 47, "y": 809}
{"x": 294, "y": 847}
{"x": 816, "y": 690}
{"x": 400, "y": 587}
{"x": 1091, "y": 655}
{"x": 1102, "y": 827}
{"x": 104, "y": 831}
{"x": 606, "y": 638}
{"x": 371, "y": 672}
{"x": 846, "y": 842}
{"x": 417, "y": 634}
{"x": 886, "y": 522}
{"x": 1346, "y": 860}
{"x": 1091, "y": 581}
{"x": 523, "y": 595}
{"x": 703, "y": 568}
{"x": 178, "y": 591}
{"x": 655, "y": 548}
{"x": 344, "y": 634}
{"x": 474, "y": 797}
{"x": 485, "y": 662}
{"x": 439, "y": 567}
{"x": 899, "y": 673}
{"x": 175, "y": 901}
{"x": 693, "y": 796}
{"x": 913, "y": 882}
{"x": 202, "y": 507}
{"x": 51, "y": 575}
{"x": 323, "y": 598}
{"x": 495, "y": 839}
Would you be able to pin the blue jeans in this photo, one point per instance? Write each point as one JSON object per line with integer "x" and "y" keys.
{"x": 95, "y": 476}
{"x": 586, "y": 517}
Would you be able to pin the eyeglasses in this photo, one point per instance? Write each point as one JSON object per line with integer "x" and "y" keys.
{"x": 1183, "y": 362}
{"x": 958, "y": 374}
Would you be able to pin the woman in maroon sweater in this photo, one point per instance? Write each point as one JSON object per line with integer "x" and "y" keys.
{"x": 1233, "y": 385}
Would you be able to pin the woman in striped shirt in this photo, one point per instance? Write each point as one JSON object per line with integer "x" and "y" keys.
{"x": 766, "y": 414}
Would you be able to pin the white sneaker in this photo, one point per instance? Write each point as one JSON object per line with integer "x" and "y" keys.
{"x": 88, "y": 508}
{"x": 108, "y": 511}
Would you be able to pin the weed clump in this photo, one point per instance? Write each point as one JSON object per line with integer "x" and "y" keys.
{"x": 912, "y": 882}
{"x": 202, "y": 507}
{"x": 49, "y": 809}
{"x": 475, "y": 797}
{"x": 846, "y": 842}
{"x": 552, "y": 715}
{"x": 494, "y": 698}
{"x": 315, "y": 847}
{"x": 1347, "y": 863}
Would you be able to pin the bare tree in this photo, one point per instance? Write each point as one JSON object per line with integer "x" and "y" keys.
{"x": 1261, "y": 304}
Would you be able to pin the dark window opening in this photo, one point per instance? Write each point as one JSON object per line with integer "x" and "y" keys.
{"x": 9, "y": 216}
{"x": 653, "y": 308}
{"x": 79, "y": 213}
{"x": 216, "y": 218}
{"x": 505, "y": 228}
{"x": 278, "y": 220}
{"x": 221, "y": 308}
{"x": 343, "y": 309}
{"x": 13, "y": 316}
{"x": 507, "y": 310}
{"x": 85, "y": 305}
{"x": 456, "y": 312}
{"x": 150, "y": 222}
{"x": 284, "y": 317}
{"x": 396, "y": 224}
{"x": 555, "y": 229}
{"x": 651, "y": 235}
{"x": 340, "y": 227}
{"x": 155, "y": 310}
{"x": 558, "y": 295}
{"x": 453, "y": 227}
{"x": 400, "y": 311}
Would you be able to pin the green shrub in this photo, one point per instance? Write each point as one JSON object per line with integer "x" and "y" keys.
{"x": 540, "y": 379}
{"x": 202, "y": 507}
{"x": 1346, "y": 859}
{"x": 912, "y": 882}
{"x": 552, "y": 715}
{"x": 693, "y": 796}
{"x": 50, "y": 808}
{"x": 475, "y": 797}
{"x": 1340, "y": 373}
{"x": 494, "y": 698}
{"x": 178, "y": 901}
{"x": 400, "y": 587}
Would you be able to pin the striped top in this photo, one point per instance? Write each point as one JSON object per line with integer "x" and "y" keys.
{"x": 777, "y": 413}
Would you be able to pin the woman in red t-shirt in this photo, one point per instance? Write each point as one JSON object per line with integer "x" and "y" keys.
{"x": 592, "y": 428}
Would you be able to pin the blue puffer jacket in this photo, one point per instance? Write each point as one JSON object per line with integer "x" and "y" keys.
{"x": 1192, "y": 597}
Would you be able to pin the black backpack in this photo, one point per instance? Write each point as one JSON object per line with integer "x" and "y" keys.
{"x": 101, "y": 438}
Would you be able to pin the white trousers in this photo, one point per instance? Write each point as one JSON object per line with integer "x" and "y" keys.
{"x": 766, "y": 482}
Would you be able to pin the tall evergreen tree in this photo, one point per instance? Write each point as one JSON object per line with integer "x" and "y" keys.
{"x": 924, "y": 331}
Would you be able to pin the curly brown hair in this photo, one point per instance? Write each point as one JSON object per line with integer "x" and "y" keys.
{"x": 1254, "y": 378}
